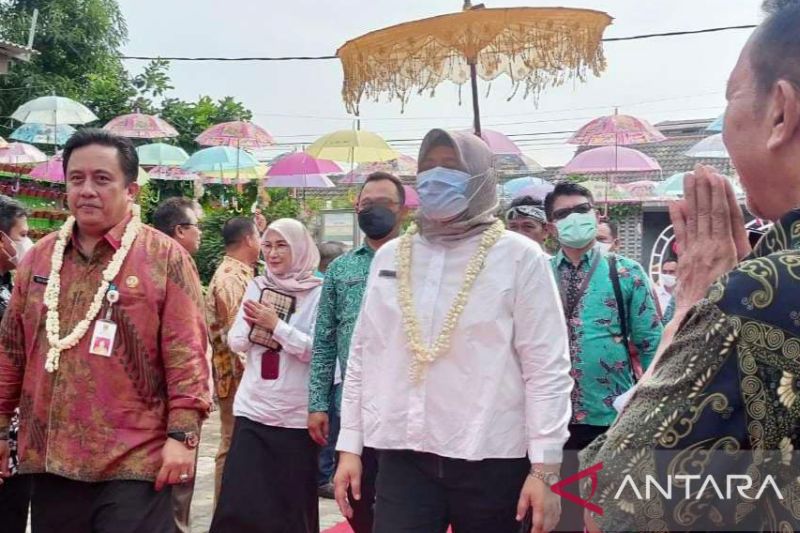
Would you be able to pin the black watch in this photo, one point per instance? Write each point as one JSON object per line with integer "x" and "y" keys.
{"x": 189, "y": 438}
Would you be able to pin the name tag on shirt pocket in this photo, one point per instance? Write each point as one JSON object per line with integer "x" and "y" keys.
{"x": 387, "y": 274}
{"x": 41, "y": 280}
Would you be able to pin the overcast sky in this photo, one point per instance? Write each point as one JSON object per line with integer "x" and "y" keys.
{"x": 656, "y": 79}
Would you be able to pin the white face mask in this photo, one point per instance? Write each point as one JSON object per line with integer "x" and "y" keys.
{"x": 22, "y": 246}
{"x": 669, "y": 280}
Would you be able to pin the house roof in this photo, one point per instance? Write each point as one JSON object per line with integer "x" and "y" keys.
{"x": 16, "y": 51}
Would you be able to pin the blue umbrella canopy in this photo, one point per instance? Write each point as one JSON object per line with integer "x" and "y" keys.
{"x": 161, "y": 154}
{"x": 716, "y": 126}
{"x": 220, "y": 159}
{"x": 35, "y": 133}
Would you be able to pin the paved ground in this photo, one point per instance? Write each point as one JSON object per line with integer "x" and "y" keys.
{"x": 202, "y": 504}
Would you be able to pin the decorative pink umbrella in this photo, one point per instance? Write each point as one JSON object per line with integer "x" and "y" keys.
{"x": 21, "y": 154}
{"x": 610, "y": 159}
{"x": 173, "y": 174}
{"x": 404, "y": 165}
{"x": 412, "y": 198}
{"x": 616, "y": 130}
{"x": 52, "y": 170}
{"x": 140, "y": 126}
{"x": 641, "y": 188}
{"x": 498, "y": 142}
{"x": 240, "y": 134}
{"x": 300, "y": 170}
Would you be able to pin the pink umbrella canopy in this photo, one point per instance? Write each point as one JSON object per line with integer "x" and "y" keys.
{"x": 300, "y": 163}
{"x": 405, "y": 165}
{"x": 21, "y": 154}
{"x": 610, "y": 159}
{"x": 616, "y": 130}
{"x": 239, "y": 134}
{"x": 140, "y": 126}
{"x": 52, "y": 170}
{"x": 173, "y": 174}
{"x": 498, "y": 142}
{"x": 301, "y": 181}
{"x": 412, "y": 198}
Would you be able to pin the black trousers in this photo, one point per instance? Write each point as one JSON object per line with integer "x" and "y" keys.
{"x": 15, "y": 497}
{"x": 61, "y": 505}
{"x": 580, "y": 436}
{"x": 270, "y": 481}
{"x": 423, "y": 493}
{"x": 364, "y": 509}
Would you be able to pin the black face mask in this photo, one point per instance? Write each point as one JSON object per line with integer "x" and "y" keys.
{"x": 377, "y": 222}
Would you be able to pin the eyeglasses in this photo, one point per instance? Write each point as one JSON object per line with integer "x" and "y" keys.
{"x": 280, "y": 248}
{"x": 363, "y": 205}
{"x": 560, "y": 214}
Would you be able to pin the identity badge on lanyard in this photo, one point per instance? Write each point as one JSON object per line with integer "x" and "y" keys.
{"x": 105, "y": 330}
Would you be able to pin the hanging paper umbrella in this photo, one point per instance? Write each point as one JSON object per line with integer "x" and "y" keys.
{"x": 506, "y": 164}
{"x": 244, "y": 175}
{"x": 238, "y": 134}
{"x": 43, "y": 133}
{"x": 673, "y": 186}
{"x": 512, "y": 187}
{"x": 412, "y": 198}
{"x": 610, "y": 159}
{"x": 641, "y": 188}
{"x": 498, "y": 142}
{"x": 404, "y": 165}
{"x": 353, "y": 146}
{"x": 220, "y": 159}
{"x": 168, "y": 173}
{"x": 717, "y": 125}
{"x": 537, "y": 192}
{"x": 536, "y": 47}
{"x": 300, "y": 170}
{"x": 54, "y": 110}
{"x": 616, "y": 130}
{"x": 300, "y": 181}
{"x": 21, "y": 154}
{"x": 602, "y": 189}
{"x": 140, "y": 126}
{"x": 53, "y": 171}
{"x": 161, "y": 154}
{"x": 709, "y": 148}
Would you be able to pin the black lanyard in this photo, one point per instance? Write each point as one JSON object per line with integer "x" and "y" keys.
{"x": 568, "y": 310}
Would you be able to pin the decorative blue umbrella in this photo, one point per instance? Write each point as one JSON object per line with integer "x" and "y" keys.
{"x": 35, "y": 133}
{"x": 161, "y": 154}
{"x": 716, "y": 126}
{"x": 220, "y": 160}
{"x": 512, "y": 187}
{"x": 673, "y": 186}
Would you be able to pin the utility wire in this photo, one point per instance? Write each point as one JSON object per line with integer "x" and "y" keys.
{"x": 327, "y": 57}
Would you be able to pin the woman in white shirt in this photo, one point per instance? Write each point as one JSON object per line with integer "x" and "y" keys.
{"x": 270, "y": 478}
{"x": 459, "y": 367}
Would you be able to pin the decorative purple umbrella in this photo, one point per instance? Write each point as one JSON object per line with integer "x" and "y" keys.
{"x": 52, "y": 170}
{"x": 610, "y": 159}
{"x": 412, "y": 198}
{"x": 21, "y": 154}
{"x": 300, "y": 171}
{"x": 498, "y": 142}
{"x": 404, "y": 165}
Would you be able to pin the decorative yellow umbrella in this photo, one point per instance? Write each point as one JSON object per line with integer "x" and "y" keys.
{"x": 536, "y": 47}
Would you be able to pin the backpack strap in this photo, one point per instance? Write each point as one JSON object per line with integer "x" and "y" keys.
{"x": 623, "y": 315}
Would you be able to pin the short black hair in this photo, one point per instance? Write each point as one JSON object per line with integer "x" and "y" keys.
{"x": 128, "y": 158}
{"x": 565, "y": 188}
{"x": 236, "y": 229}
{"x": 171, "y": 213}
{"x": 11, "y": 211}
{"x": 612, "y": 226}
{"x": 525, "y": 200}
{"x": 775, "y": 53}
{"x": 385, "y": 176}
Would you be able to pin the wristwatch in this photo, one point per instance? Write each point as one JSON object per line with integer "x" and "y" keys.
{"x": 549, "y": 478}
{"x": 189, "y": 438}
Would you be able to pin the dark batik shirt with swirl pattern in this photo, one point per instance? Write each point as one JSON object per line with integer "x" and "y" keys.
{"x": 724, "y": 400}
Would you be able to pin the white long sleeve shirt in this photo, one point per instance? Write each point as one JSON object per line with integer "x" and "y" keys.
{"x": 281, "y": 402}
{"x": 502, "y": 390}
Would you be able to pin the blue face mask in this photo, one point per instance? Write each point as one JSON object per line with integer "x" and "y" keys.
{"x": 442, "y": 193}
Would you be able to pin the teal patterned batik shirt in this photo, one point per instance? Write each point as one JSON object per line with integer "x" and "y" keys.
{"x": 601, "y": 366}
{"x": 339, "y": 304}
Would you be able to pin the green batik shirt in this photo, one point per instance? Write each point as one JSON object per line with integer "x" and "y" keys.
{"x": 723, "y": 401}
{"x": 339, "y": 304}
{"x": 601, "y": 365}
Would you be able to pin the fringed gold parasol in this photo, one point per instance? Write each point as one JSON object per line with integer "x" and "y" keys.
{"x": 536, "y": 47}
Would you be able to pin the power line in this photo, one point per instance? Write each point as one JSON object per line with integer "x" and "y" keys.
{"x": 328, "y": 57}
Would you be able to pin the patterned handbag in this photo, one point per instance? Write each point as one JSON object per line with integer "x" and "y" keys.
{"x": 284, "y": 306}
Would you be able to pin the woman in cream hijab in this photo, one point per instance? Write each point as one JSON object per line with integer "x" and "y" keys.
{"x": 270, "y": 478}
{"x": 459, "y": 368}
